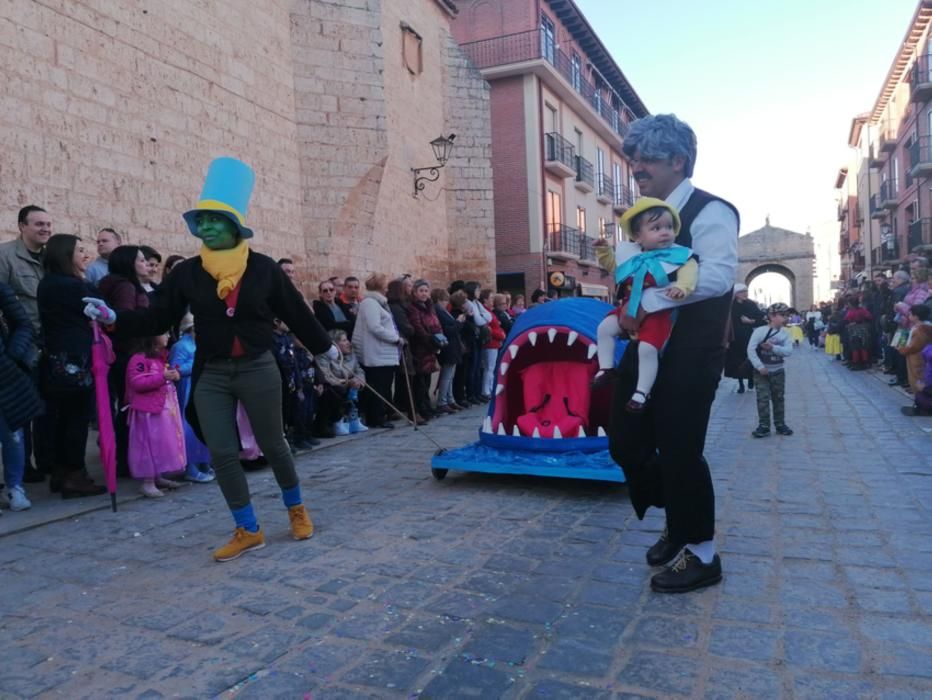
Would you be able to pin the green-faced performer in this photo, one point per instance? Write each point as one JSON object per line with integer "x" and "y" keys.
{"x": 234, "y": 294}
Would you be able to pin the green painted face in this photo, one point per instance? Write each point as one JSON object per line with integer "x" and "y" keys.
{"x": 216, "y": 231}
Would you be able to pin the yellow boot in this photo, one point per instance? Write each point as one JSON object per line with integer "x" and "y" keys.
{"x": 301, "y": 526}
{"x": 241, "y": 543}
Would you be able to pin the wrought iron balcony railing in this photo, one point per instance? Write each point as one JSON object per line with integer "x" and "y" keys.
{"x": 920, "y": 79}
{"x": 920, "y": 234}
{"x": 563, "y": 239}
{"x": 585, "y": 173}
{"x": 536, "y": 44}
{"x": 920, "y": 156}
{"x": 888, "y": 194}
{"x": 606, "y": 188}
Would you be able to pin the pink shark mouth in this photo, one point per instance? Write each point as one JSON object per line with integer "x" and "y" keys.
{"x": 543, "y": 387}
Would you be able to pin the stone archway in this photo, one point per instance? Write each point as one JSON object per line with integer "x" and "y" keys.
{"x": 788, "y": 253}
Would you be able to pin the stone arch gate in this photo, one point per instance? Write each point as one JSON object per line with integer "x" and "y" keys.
{"x": 788, "y": 253}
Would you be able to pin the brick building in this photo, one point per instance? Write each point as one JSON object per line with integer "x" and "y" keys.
{"x": 560, "y": 109}
{"x": 112, "y": 110}
{"x": 885, "y": 209}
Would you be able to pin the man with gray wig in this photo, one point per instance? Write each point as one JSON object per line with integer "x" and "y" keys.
{"x": 661, "y": 449}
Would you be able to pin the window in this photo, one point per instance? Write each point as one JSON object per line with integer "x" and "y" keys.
{"x": 411, "y": 49}
{"x": 577, "y": 72}
{"x": 553, "y": 119}
{"x": 579, "y": 142}
{"x": 581, "y": 219}
{"x": 547, "y": 39}
{"x": 895, "y": 173}
{"x": 554, "y": 211}
{"x": 597, "y": 99}
{"x": 599, "y": 163}
{"x": 619, "y": 184}
{"x": 601, "y": 227}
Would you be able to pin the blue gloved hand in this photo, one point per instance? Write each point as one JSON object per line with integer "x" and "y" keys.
{"x": 97, "y": 310}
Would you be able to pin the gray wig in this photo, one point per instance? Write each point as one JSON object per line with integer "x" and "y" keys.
{"x": 661, "y": 137}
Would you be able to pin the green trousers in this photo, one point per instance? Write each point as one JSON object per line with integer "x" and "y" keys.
{"x": 257, "y": 384}
{"x": 771, "y": 388}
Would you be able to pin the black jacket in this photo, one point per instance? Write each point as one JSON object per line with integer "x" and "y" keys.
{"x": 64, "y": 326}
{"x": 19, "y": 399}
{"x": 325, "y": 315}
{"x": 265, "y": 294}
{"x": 452, "y": 352}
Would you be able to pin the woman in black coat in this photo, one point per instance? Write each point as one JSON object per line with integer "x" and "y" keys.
{"x": 65, "y": 374}
{"x": 398, "y": 302}
{"x": 450, "y": 354}
{"x": 745, "y": 317}
{"x": 330, "y": 310}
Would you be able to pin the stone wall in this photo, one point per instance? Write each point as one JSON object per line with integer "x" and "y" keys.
{"x": 112, "y": 110}
{"x": 788, "y": 253}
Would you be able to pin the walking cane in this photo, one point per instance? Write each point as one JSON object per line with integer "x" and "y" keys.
{"x": 388, "y": 403}
{"x": 404, "y": 367}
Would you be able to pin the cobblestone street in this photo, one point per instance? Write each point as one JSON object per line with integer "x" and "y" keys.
{"x": 484, "y": 586}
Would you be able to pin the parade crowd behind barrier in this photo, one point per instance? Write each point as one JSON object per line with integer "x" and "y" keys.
{"x": 411, "y": 350}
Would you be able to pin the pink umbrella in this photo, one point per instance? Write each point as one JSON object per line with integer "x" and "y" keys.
{"x": 101, "y": 358}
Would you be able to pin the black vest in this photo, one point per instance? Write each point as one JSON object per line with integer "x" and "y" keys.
{"x": 703, "y": 324}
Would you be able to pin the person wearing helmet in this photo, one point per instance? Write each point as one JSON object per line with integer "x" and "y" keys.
{"x": 768, "y": 346}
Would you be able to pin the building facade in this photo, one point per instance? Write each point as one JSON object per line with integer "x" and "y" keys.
{"x": 886, "y": 210}
{"x": 112, "y": 110}
{"x": 560, "y": 110}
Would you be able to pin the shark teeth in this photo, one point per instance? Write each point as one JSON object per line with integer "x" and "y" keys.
{"x": 504, "y": 368}
{"x": 551, "y": 334}
{"x": 513, "y": 349}
{"x": 593, "y": 349}
{"x": 515, "y": 431}
{"x": 601, "y": 432}
{"x": 499, "y": 389}
{"x": 536, "y": 433}
{"x": 532, "y": 338}
{"x": 487, "y": 425}
{"x": 572, "y": 338}
{"x": 501, "y": 429}
{"x": 557, "y": 435}
{"x": 582, "y": 432}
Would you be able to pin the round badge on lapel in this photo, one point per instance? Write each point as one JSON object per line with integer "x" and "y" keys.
{"x": 231, "y": 311}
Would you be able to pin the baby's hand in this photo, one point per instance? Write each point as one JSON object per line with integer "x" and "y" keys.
{"x": 676, "y": 293}
{"x": 601, "y": 243}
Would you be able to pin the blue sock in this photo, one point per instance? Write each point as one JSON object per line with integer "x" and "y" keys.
{"x": 245, "y": 517}
{"x": 292, "y": 496}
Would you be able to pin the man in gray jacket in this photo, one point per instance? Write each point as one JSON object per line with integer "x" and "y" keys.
{"x": 21, "y": 259}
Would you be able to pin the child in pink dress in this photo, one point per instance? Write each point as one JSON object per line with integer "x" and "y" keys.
{"x": 156, "y": 432}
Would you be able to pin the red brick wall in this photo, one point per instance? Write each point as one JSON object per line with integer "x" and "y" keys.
{"x": 483, "y": 19}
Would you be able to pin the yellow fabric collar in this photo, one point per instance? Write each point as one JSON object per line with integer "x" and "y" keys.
{"x": 225, "y": 266}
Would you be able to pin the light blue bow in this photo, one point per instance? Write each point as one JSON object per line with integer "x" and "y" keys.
{"x": 638, "y": 267}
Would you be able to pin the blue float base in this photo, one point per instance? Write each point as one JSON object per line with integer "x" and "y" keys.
{"x": 565, "y": 465}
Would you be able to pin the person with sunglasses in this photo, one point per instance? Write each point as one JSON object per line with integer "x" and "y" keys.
{"x": 331, "y": 311}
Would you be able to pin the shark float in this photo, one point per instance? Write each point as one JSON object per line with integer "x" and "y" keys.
{"x": 544, "y": 419}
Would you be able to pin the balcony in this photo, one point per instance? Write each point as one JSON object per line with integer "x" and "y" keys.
{"x": 920, "y": 235}
{"x": 843, "y": 244}
{"x": 563, "y": 242}
{"x": 888, "y": 136}
{"x": 559, "y": 155}
{"x": 587, "y": 250}
{"x": 874, "y": 156}
{"x": 920, "y": 156}
{"x": 611, "y": 232}
{"x": 889, "y": 196}
{"x": 886, "y": 253}
{"x": 606, "y": 189}
{"x": 877, "y": 211}
{"x": 842, "y": 210}
{"x": 535, "y": 51}
{"x": 585, "y": 175}
{"x": 624, "y": 199}
{"x": 920, "y": 80}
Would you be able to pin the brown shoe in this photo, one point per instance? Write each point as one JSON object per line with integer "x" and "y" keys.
{"x": 606, "y": 377}
{"x": 301, "y": 526}
{"x": 637, "y": 406}
{"x": 241, "y": 543}
{"x": 79, "y": 486}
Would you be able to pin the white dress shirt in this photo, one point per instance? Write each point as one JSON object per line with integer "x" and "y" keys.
{"x": 715, "y": 241}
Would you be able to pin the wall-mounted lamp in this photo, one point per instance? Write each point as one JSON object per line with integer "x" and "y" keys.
{"x": 442, "y": 146}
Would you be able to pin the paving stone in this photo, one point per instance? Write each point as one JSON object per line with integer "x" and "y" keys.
{"x": 608, "y": 594}
{"x": 499, "y": 643}
{"x": 822, "y": 651}
{"x": 463, "y": 679}
{"x": 315, "y": 621}
{"x": 895, "y": 629}
{"x": 208, "y": 628}
{"x": 267, "y": 643}
{"x": 903, "y": 660}
{"x": 557, "y": 690}
{"x": 751, "y": 643}
{"x": 576, "y": 656}
{"x": 675, "y": 632}
{"x": 409, "y": 594}
{"x": 741, "y": 683}
{"x": 526, "y": 608}
{"x": 371, "y": 625}
{"x": 388, "y": 670}
{"x": 277, "y": 685}
{"x": 599, "y": 625}
{"x": 464, "y": 606}
{"x": 36, "y": 680}
{"x": 429, "y": 634}
{"x": 662, "y": 673}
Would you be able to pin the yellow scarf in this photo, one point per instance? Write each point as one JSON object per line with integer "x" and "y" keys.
{"x": 225, "y": 266}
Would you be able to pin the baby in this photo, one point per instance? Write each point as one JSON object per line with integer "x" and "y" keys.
{"x": 650, "y": 258}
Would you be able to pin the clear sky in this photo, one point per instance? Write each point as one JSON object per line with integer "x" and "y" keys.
{"x": 770, "y": 87}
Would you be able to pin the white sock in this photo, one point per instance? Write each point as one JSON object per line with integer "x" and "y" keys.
{"x": 647, "y": 368}
{"x": 606, "y": 334}
{"x": 704, "y": 550}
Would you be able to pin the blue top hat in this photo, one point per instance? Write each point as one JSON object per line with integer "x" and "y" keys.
{"x": 227, "y": 190}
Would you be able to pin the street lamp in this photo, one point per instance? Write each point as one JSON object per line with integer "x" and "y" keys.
{"x": 441, "y": 146}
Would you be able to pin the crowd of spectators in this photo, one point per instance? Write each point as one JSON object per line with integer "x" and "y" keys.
{"x": 410, "y": 350}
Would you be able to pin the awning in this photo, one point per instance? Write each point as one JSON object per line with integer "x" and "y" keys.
{"x": 593, "y": 290}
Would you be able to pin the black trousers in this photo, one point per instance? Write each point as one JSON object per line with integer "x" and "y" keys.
{"x": 380, "y": 379}
{"x": 116, "y": 380}
{"x": 68, "y": 416}
{"x": 661, "y": 449}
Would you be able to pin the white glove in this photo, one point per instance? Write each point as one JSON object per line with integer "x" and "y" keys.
{"x": 334, "y": 353}
{"x": 97, "y": 310}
